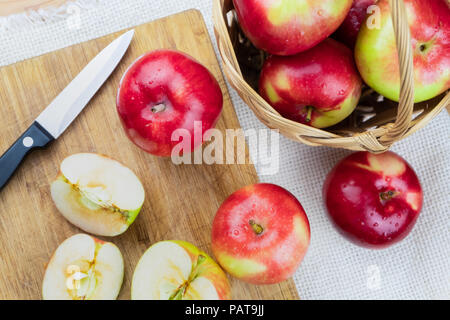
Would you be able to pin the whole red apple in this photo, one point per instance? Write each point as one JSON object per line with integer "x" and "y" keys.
{"x": 374, "y": 200}
{"x": 260, "y": 234}
{"x": 376, "y": 50}
{"x": 319, "y": 87}
{"x": 348, "y": 31}
{"x": 286, "y": 27}
{"x": 163, "y": 91}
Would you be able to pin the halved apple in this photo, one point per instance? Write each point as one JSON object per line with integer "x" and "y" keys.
{"x": 177, "y": 270}
{"x": 84, "y": 268}
{"x": 97, "y": 194}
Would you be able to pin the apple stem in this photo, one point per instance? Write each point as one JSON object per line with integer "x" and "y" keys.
{"x": 388, "y": 195}
{"x": 257, "y": 228}
{"x": 158, "y": 108}
{"x": 309, "y": 110}
{"x": 179, "y": 293}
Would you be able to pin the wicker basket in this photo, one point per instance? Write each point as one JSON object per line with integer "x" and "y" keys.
{"x": 374, "y": 125}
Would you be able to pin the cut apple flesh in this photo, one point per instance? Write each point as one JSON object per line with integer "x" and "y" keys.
{"x": 166, "y": 271}
{"x": 84, "y": 268}
{"x": 97, "y": 194}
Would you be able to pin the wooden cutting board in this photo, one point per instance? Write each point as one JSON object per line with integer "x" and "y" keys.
{"x": 8, "y": 7}
{"x": 180, "y": 200}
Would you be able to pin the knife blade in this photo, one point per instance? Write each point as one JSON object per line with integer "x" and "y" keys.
{"x": 61, "y": 112}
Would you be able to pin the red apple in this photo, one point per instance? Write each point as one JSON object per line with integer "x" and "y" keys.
{"x": 376, "y": 50}
{"x": 348, "y": 31}
{"x": 319, "y": 87}
{"x": 286, "y": 27}
{"x": 260, "y": 234}
{"x": 163, "y": 91}
{"x": 374, "y": 200}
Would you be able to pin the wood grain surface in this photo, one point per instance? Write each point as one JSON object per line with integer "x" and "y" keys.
{"x": 180, "y": 200}
{"x": 8, "y": 7}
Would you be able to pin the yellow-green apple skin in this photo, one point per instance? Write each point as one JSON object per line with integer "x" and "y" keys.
{"x": 84, "y": 268}
{"x": 260, "y": 234}
{"x": 319, "y": 87}
{"x": 376, "y": 50}
{"x": 178, "y": 270}
{"x": 286, "y": 27}
{"x": 97, "y": 194}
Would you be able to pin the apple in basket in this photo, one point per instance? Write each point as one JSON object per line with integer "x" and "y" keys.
{"x": 377, "y": 57}
{"x": 319, "y": 87}
{"x": 163, "y": 91}
{"x": 348, "y": 31}
{"x": 260, "y": 234}
{"x": 286, "y": 27}
{"x": 374, "y": 200}
{"x": 177, "y": 270}
{"x": 84, "y": 268}
{"x": 97, "y": 194}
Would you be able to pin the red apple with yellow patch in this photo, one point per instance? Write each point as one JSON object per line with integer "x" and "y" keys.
{"x": 373, "y": 199}
{"x": 319, "y": 87}
{"x": 260, "y": 234}
{"x": 286, "y": 27}
{"x": 377, "y": 57}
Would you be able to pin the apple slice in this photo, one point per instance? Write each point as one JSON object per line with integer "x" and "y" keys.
{"x": 84, "y": 268}
{"x": 177, "y": 270}
{"x": 97, "y": 194}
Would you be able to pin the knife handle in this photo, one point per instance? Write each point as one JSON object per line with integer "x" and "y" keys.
{"x": 35, "y": 137}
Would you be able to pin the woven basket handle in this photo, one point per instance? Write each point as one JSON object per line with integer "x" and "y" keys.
{"x": 405, "y": 56}
{"x": 362, "y": 141}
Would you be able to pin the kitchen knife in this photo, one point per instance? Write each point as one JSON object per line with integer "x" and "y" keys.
{"x": 55, "y": 119}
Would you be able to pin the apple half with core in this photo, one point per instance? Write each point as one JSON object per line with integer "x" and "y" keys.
{"x": 348, "y": 31}
{"x": 166, "y": 93}
{"x": 97, "y": 194}
{"x": 376, "y": 50}
{"x": 260, "y": 234}
{"x": 373, "y": 199}
{"x": 177, "y": 270}
{"x": 84, "y": 268}
{"x": 319, "y": 87}
{"x": 286, "y": 27}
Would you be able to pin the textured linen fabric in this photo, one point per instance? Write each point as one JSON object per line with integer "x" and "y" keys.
{"x": 416, "y": 268}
